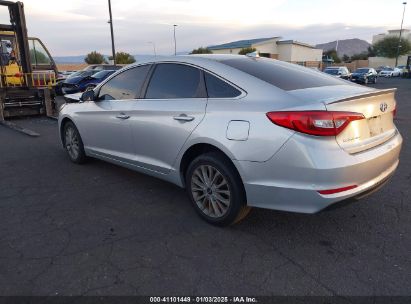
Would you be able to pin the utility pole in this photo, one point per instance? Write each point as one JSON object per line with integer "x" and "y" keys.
{"x": 113, "y": 50}
{"x": 175, "y": 41}
{"x": 399, "y": 41}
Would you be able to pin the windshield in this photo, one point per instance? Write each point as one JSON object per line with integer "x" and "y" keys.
{"x": 283, "y": 75}
{"x": 331, "y": 71}
{"x": 102, "y": 74}
{"x": 362, "y": 71}
{"x": 388, "y": 69}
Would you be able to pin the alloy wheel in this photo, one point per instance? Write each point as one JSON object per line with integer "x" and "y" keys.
{"x": 211, "y": 191}
{"x": 72, "y": 142}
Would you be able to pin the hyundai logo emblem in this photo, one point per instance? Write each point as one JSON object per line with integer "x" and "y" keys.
{"x": 383, "y": 107}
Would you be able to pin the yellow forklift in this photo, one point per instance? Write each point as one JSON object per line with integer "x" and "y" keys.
{"x": 27, "y": 70}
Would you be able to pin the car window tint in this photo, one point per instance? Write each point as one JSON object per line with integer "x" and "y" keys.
{"x": 217, "y": 88}
{"x": 174, "y": 81}
{"x": 283, "y": 75}
{"x": 126, "y": 85}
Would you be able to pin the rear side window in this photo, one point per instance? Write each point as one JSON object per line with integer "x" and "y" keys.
{"x": 126, "y": 85}
{"x": 217, "y": 88}
{"x": 283, "y": 75}
{"x": 171, "y": 80}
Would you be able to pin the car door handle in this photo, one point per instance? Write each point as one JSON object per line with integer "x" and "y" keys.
{"x": 123, "y": 116}
{"x": 183, "y": 118}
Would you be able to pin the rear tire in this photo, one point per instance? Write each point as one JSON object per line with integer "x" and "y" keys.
{"x": 216, "y": 190}
{"x": 73, "y": 143}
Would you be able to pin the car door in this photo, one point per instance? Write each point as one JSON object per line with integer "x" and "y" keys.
{"x": 174, "y": 104}
{"x": 105, "y": 124}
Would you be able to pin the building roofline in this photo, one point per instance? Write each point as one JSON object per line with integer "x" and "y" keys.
{"x": 296, "y": 43}
{"x": 240, "y": 43}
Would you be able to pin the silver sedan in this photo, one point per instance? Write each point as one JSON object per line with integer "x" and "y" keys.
{"x": 239, "y": 132}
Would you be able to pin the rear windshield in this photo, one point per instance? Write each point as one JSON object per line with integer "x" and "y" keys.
{"x": 331, "y": 71}
{"x": 283, "y": 75}
{"x": 362, "y": 71}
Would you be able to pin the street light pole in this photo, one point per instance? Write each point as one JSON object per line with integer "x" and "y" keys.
{"x": 399, "y": 41}
{"x": 113, "y": 50}
{"x": 175, "y": 41}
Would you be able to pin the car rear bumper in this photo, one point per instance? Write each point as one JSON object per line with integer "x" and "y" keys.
{"x": 290, "y": 181}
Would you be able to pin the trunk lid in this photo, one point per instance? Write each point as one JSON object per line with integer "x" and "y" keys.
{"x": 377, "y": 127}
{"x": 377, "y": 106}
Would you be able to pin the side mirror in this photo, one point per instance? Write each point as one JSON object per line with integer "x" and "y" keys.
{"x": 88, "y": 96}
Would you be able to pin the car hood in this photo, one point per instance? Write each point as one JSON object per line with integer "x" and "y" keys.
{"x": 74, "y": 80}
{"x": 70, "y": 98}
{"x": 358, "y": 74}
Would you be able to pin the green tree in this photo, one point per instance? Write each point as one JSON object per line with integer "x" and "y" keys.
{"x": 371, "y": 52}
{"x": 247, "y": 50}
{"x": 360, "y": 56}
{"x": 388, "y": 47}
{"x": 201, "y": 50}
{"x": 346, "y": 58}
{"x": 95, "y": 58}
{"x": 333, "y": 55}
{"x": 123, "y": 58}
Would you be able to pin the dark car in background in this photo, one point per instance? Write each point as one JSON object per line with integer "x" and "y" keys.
{"x": 84, "y": 80}
{"x": 364, "y": 75}
{"x": 100, "y": 67}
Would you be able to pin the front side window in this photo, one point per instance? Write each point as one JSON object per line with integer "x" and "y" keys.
{"x": 38, "y": 54}
{"x": 217, "y": 88}
{"x": 126, "y": 85}
{"x": 171, "y": 80}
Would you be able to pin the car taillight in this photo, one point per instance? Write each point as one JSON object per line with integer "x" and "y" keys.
{"x": 319, "y": 123}
{"x": 394, "y": 112}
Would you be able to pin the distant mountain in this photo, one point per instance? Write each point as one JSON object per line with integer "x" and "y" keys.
{"x": 69, "y": 59}
{"x": 347, "y": 47}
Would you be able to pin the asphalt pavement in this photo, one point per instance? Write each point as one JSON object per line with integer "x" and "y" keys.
{"x": 98, "y": 229}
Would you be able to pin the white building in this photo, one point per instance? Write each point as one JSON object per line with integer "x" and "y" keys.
{"x": 406, "y": 34}
{"x": 274, "y": 47}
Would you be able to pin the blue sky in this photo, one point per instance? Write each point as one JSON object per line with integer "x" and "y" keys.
{"x": 75, "y": 27}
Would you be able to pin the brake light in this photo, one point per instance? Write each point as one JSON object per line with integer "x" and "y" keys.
{"x": 319, "y": 123}
{"x": 333, "y": 191}
{"x": 394, "y": 113}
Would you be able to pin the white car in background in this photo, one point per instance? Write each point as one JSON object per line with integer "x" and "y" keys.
{"x": 390, "y": 72}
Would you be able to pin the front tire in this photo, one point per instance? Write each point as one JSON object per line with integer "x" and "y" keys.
{"x": 73, "y": 143}
{"x": 216, "y": 190}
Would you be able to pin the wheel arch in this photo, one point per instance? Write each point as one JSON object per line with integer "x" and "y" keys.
{"x": 196, "y": 150}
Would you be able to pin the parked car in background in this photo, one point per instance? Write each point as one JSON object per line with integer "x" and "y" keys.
{"x": 84, "y": 80}
{"x": 403, "y": 69}
{"x": 382, "y": 67}
{"x": 364, "y": 75}
{"x": 340, "y": 72}
{"x": 239, "y": 132}
{"x": 100, "y": 67}
{"x": 390, "y": 72}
